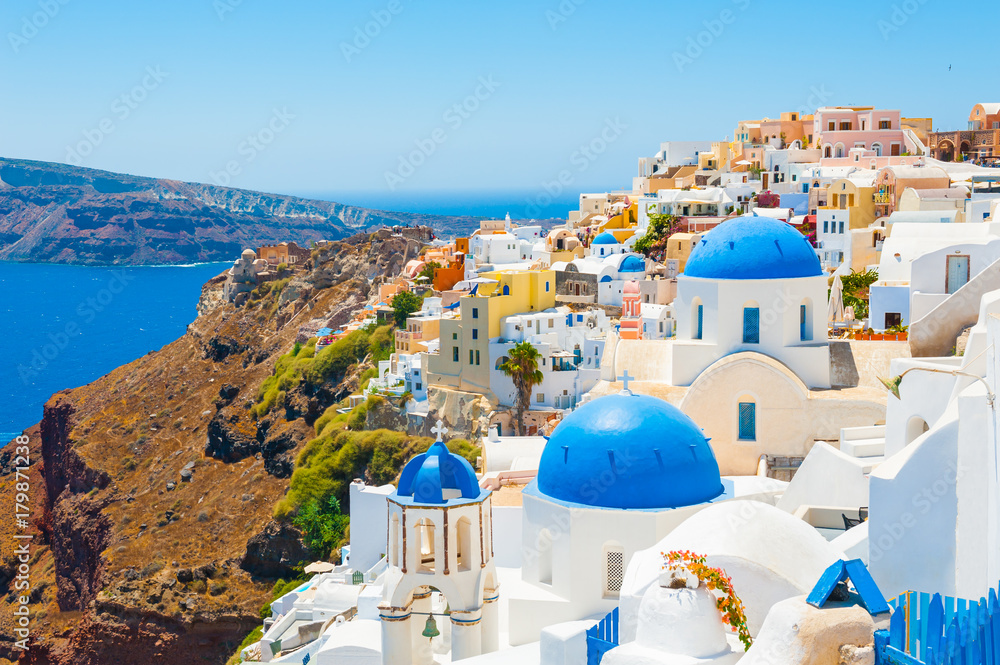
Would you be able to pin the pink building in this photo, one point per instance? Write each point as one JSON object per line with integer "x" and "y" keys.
{"x": 839, "y": 129}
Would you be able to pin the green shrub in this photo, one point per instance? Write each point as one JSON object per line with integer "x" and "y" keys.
{"x": 254, "y": 636}
{"x": 323, "y": 525}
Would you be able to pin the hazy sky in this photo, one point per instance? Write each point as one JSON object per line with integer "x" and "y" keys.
{"x": 177, "y": 89}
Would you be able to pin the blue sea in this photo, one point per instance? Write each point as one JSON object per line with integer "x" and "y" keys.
{"x": 64, "y": 326}
{"x": 522, "y": 204}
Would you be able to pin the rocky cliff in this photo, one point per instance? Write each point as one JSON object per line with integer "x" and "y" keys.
{"x": 153, "y": 488}
{"x": 66, "y": 214}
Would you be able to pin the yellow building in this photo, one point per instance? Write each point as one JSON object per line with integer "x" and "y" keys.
{"x": 463, "y": 360}
{"x": 679, "y": 247}
{"x": 419, "y": 331}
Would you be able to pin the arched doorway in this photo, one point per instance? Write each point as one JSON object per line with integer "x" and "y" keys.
{"x": 915, "y": 427}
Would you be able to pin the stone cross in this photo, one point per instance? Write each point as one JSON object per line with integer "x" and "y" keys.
{"x": 440, "y": 430}
{"x": 625, "y": 379}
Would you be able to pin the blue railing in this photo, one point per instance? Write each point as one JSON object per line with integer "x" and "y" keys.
{"x": 602, "y": 638}
{"x": 936, "y": 630}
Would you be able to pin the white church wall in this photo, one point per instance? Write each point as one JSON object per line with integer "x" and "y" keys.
{"x": 828, "y": 477}
{"x": 507, "y": 536}
{"x": 369, "y": 514}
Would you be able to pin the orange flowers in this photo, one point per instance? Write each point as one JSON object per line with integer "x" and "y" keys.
{"x": 728, "y": 603}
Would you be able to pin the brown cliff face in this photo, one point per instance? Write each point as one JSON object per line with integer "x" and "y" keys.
{"x": 135, "y": 562}
{"x": 65, "y": 214}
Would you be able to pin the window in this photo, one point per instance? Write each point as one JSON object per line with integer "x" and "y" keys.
{"x": 454, "y": 354}
{"x": 748, "y": 421}
{"x": 893, "y": 319}
{"x": 475, "y": 312}
{"x": 475, "y": 333}
{"x": 832, "y": 126}
{"x": 826, "y": 225}
{"x": 540, "y": 397}
{"x": 477, "y": 357}
{"x": 552, "y": 323}
{"x": 805, "y": 332}
{"x": 419, "y": 386}
{"x": 454, "y": 335}
{"x": 614, "y": 569}
{"x": 751, "y": 325}
{"x": 425, "y": 546}
{"x": 546, "y": 287}
{"x": 463, "y": 549}
{"x": 699, "y": 314}
{"x": 884, "y": 124}
{"x": 471, "y": 355}
{"x": 579, "y": 318}
{"x": 845, "y": 126}
{"x": 841, "y": 231}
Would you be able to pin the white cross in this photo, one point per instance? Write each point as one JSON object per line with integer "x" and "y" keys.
{"x": 625, "y": 379}
{"x": 440, "y": 430}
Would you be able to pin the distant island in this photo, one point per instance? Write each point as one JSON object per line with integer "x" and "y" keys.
{"x": 57, "y": 213}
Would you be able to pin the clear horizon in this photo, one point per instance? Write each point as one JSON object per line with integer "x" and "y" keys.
{"x": 390, "y": 99}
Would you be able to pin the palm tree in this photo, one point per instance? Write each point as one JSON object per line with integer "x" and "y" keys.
{"x": 522, "y": 367}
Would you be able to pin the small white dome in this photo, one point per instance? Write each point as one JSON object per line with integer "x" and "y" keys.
{"x": 684, "y": 622}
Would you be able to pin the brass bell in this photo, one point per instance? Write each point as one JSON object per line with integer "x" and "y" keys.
{"x": 431, "y": 628}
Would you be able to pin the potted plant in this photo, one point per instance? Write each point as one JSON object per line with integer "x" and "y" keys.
{"x": 690, "y": 570}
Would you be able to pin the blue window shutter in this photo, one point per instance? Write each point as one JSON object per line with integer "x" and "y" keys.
{"x": 701, "y": 318}
{"x": 802, "y": 323}
{"x": 751, "y": 325}
{"x": 748, "y": 421}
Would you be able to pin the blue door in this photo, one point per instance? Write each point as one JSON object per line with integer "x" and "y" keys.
{"x": 748, "y": 421}
{"x": 803, "y": 331}
{"x": 751, "y": 325}
{"x": 958, "y": 272}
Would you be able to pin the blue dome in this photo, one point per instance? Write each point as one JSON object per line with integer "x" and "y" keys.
{"x": 605, "y": 239}
{"x": 438, "y": 476}
{"x": 629, "y": 451}
{"x": 632, "y": 264}
{"x": 751, "y": 247}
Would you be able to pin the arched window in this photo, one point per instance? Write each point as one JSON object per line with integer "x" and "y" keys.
{"x": 463, "y": 551}
{"x": 614, "y": 569}
{"x": 746, "y": 415}
{"x": 697, "y": 319}
{"x": 394, "y": 541}
{"x": 805, "y": 320}
{"x": 425, "y": 546}
{"x": 827, "y": 151}
{"x": 506, "y": 289}
{"x": 877, "y": 147}
{"x": 751, "y": 324}
{"x": 839, "y": 150}
{"x": 545, "y": 556}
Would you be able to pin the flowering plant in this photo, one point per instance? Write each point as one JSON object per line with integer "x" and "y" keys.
{"x": 718, "y": 583}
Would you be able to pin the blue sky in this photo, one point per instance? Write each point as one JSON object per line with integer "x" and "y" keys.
{"x": 175, "y": 89}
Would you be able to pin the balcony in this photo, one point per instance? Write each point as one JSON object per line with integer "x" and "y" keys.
{"x": 881, "y": 198}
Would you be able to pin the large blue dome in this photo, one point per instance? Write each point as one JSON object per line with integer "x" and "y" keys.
{"x": 752, "y": 247}
{"x": 629, "y": 451}
{"x": 605, "y": 239}
{"x": 438, "y": 476}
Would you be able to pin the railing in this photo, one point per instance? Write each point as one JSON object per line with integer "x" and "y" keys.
{"x": 881, "y": 198}
{"x": 936, "y": 630}
{"x": 602, "y": 638}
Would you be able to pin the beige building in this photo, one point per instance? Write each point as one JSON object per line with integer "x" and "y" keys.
{"x": 419, "y": 330}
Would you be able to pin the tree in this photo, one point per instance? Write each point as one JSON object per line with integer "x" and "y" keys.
{"x": 322, "y": 524}
{"x": 856, "y": 287}
{"x": 522, "y": 367}
{"x": 661, "y": 227}
{"x": 404, "y": 304}
{"x": 428, "y": 271}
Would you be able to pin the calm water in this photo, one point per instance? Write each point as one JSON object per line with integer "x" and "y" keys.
{"x": 64, "y": 326}
{"x": 521, "y": 204}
